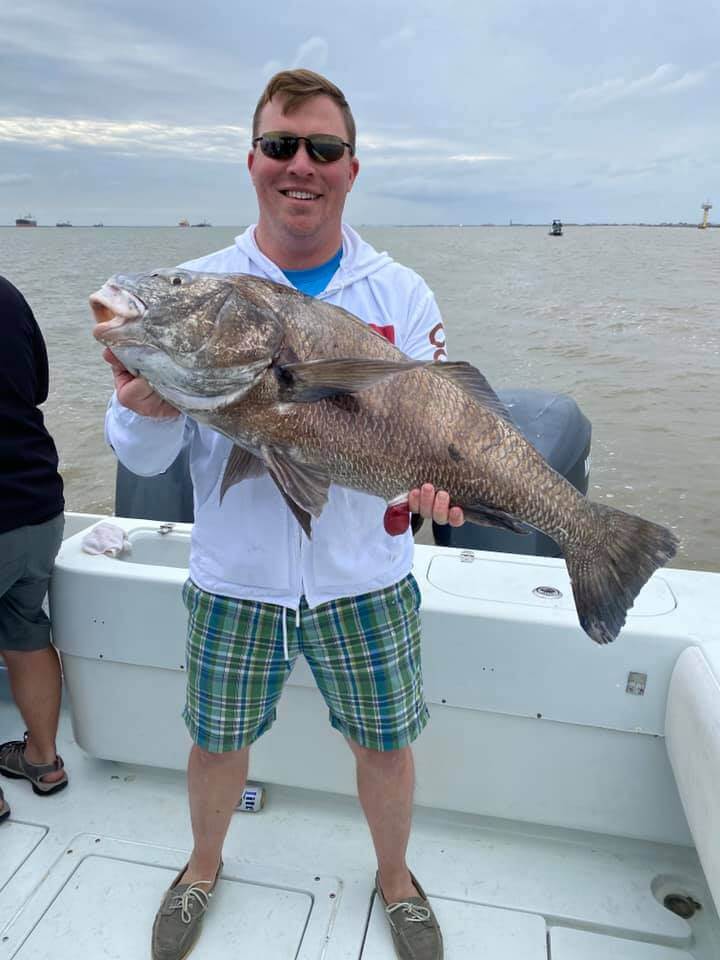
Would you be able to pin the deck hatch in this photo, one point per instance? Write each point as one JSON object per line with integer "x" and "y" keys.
{"x": 469, "y": 930}
{"x": 516, "y": 580}
{"x": 101, "y": 896}
{"x": 17, "y": 842}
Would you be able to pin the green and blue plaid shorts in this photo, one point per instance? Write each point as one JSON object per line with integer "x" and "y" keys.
{"x": 364, "y": 653}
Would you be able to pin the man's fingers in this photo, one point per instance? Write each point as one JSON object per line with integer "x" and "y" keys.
{"x": 456, "y": 517}
{"x": 427, "y": 499}
{"x": 109, "y": 357}
{"x": 441, "y": 507}
{"x": 435, "y": 505}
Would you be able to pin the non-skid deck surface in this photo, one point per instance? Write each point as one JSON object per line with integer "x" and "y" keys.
{"x": 82, "y": 873}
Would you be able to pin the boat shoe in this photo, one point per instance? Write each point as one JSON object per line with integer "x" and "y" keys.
{"x": 4, "y": 808}
{"x": 179, "y": 920}
{"x": 14, "y": 765}
{"x": 414, "y": 927}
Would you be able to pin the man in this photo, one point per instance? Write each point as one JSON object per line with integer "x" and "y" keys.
{"x": 282, "y": 593}
{"x": 31, "y": 529}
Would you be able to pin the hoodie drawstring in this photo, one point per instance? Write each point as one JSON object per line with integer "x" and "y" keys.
{"x": 286, "y": 652}
{"x": 286, "y": 655}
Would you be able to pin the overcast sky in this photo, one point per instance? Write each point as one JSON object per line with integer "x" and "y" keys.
{"x": 469, "y": 111}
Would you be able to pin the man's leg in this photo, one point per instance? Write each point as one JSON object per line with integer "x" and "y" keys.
{"x": 364, "y": 653}
{"x": 386, "y": 781}
{"x": 215, "y": 783}
{"x": 232, "y": 645}
{"x": 35, "y": 683}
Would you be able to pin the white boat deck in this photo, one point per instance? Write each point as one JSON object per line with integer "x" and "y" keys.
{"x": 82, "y": 873}
{"x": 536, "y": 726}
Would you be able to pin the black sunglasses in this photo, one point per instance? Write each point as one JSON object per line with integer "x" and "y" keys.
{"x": 322, "y": 147}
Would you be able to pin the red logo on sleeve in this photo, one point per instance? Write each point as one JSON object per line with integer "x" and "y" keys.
{"x": 387, "y": 331}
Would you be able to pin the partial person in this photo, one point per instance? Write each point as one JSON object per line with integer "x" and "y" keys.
{"x": 260, "y": 592}
{"x": 31, "y": 530}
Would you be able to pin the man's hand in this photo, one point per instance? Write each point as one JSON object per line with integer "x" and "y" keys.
{"x": 434, "y": 505}
{"x": 135, "y": 393}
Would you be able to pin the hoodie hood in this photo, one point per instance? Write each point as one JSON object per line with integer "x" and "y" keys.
{"x": 358, "y": 262}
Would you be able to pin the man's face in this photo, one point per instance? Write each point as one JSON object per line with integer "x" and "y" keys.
{"x": 300, "y": 198}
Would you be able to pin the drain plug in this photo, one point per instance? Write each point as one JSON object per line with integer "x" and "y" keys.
{"x": 682, "y": 905}
{"x": 549, "y": 593}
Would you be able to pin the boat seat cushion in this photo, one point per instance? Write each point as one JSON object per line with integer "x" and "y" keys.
{"x": 692, "y": 734}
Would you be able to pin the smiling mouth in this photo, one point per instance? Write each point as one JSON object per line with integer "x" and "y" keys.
{"x": 300, "y": 195}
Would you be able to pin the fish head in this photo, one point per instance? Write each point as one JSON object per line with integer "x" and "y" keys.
{"x": 202, "y": 340}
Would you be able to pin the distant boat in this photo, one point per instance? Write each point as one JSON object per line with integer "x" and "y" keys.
{"x": 203, "y": 223}
{"x": 98, "y": 224}
{"x": 184, "y": 223}
{"x": 556, "y": 229}
{"x": 63, "y": 223}
{"x": 27, "y": 221}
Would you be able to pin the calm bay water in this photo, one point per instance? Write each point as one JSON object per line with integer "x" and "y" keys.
{"x": 624, "y": 319}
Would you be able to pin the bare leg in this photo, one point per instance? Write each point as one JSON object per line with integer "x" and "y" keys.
{"x": 385, "y": 787}
{"x": 215, "y": 783}
{"x": 36, "y": 682}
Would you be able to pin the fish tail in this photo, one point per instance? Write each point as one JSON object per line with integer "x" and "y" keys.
{"x": 608, "y": 572}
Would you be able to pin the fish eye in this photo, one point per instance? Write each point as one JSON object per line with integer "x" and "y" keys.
{"x": 176, "y": 281}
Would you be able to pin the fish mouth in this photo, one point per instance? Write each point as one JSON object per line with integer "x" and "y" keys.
{"x": 115, "y": 307}
{"x": 118, "y": 315}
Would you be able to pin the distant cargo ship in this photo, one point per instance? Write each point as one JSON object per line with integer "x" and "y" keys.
{"x": 184, "y": 223}
{"x": 63, "y": 223}
{"x": 27, "y": 221}
{"x": 203, "y": 223}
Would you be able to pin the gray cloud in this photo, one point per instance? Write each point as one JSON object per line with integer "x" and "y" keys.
{"x": 205, "y": 143}
{"x": 13, "y": 179}
{"x": 140, "y": 112}
{"x": 312, "y": 54}
{"x": 665, "y": 79}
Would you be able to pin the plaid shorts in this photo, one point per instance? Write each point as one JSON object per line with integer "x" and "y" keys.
{"x": 364, "y": 653}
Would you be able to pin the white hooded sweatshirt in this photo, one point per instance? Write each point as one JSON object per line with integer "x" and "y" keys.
{"x": 253, "y": 547}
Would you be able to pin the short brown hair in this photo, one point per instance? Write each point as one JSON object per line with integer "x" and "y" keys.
{"x": 297, "y": 86}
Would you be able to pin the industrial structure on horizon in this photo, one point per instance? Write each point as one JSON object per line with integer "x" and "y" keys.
{"x": 706, "y": 208}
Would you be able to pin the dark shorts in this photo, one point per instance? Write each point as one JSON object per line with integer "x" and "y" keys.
{"x": 27, "y": 556}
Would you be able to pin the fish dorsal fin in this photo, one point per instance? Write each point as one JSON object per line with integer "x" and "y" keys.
{"x": 304, "y": 487}
{"x": 318, "y": 379}
{"x": 240, "y": 465}
{"x": 469, "y": 379}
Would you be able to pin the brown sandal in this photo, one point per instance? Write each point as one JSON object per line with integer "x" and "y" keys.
{"x": 14, "y": 765}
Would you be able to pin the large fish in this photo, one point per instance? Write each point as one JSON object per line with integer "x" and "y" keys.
{"x": 312, "y": 395}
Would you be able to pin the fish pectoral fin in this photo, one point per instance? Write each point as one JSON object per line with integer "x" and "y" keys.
{"x": 318, "y": 379}
{"x": 485, "y": 516}
{"x": 241, "y": 464}
{"x": 304, "y": 487}
{"x": 469, "y": 379}
{"x": 302, "y": 516}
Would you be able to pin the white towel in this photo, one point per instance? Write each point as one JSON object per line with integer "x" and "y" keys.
{"x": 106, "y": 538}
